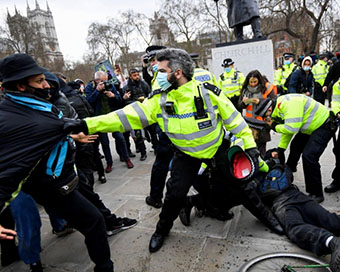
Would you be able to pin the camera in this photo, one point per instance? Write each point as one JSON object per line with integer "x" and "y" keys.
{"x": 146, "y": 59}
{"x": 108, "y": 86}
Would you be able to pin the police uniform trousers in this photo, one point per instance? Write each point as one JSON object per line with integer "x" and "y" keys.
{"x": 319, "y": 95}
{"x": 311, "y": 147}
{"x": 336, "y": 171}
{"x": 160, "y": 167}
{"x": 184, "y": 173}
{"x": 305, "y": 222}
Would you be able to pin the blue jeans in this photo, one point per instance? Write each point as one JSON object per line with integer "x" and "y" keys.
{"x": 105, "y": 142}
{"x": 121, "y": 145}
{"x": 28, "y": 224}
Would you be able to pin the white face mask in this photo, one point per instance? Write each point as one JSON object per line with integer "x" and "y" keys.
{"x": 306, "y": 68}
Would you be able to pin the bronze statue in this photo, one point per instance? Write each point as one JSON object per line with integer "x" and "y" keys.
{"x": 242, "y": 13}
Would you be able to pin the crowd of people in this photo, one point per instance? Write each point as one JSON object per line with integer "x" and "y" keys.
{"x": 210, "y": 133}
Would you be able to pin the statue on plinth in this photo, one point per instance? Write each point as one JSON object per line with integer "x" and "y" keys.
{"x": 242, "y": 13}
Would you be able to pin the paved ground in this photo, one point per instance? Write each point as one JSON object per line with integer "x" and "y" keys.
{"x": 207, "y": 245}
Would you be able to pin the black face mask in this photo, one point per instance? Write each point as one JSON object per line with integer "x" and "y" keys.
{"x": 41, "y": 93}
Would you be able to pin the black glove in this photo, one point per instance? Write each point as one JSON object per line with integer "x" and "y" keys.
{"x": 273, "y": 126}
{"x": 75, "y": 126}
{"x": 254, "y": 154}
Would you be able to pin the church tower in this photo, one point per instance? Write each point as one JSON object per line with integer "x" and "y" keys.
{"x": 43, "y": 24}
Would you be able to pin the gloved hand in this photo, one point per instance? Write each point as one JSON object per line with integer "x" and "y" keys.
{"x": 75, "y": 126}
{"x": 281, "y": 153}
{"x": 254, "y": 154}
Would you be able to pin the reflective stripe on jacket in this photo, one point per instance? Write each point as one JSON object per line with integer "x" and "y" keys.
{"x": 336, "y": 97}
{"x": 299, "y": 113}
{"x": 202, "y": 75}
{"x": 320, "y": 71}
{"x": 199, "y": 138}
{"x": 231, "y": 83}
{"x": 282, "y": 74}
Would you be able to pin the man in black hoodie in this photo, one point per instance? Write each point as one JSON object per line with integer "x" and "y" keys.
{"x": 37, "y": 154}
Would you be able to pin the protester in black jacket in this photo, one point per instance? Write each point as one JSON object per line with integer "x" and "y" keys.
{"x": 35, "y": 149}
{"x": 302, "y": 79}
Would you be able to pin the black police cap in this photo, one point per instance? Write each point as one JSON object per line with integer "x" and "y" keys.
{"x": 288, "y": 55}
{"x": 227, "y": 62}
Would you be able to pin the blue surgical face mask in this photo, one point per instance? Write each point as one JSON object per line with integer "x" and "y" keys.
{"x": 162, "y": 79}
{"x": 287, "y": 62}
{"x": 155, "y": 68}
{"x": 227, "y": 69}
{"x": 306, "y": 68}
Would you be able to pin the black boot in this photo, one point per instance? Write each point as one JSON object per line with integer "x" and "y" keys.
{"x": 156, "y": 242}
{"x": 335, "y": 257}
{"x": 333, "y": 187}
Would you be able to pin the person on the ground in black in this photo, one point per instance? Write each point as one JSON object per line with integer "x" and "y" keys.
{"x": 136, "y": 89}
{"x": 305, "y": 222}
{"x": 32, "y": 130}
{"x": 302, "y": 80}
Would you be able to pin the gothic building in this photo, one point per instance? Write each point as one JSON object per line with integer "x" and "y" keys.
{"x": 41, "y": 24}
{"x": 160, "y": 31}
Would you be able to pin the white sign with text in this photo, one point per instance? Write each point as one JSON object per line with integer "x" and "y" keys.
{"x": 248, "y": 56}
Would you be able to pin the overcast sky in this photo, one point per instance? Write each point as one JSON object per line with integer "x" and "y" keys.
{"x": 73, "y": 17}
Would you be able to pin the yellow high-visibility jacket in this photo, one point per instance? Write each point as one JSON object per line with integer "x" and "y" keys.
{"x": 199, "y": 138}
{"x": 299, "y": 113}
{"x": 231, "y": 83}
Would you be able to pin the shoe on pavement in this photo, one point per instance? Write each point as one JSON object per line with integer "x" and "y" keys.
{"x": 131, "y": 155}
{"x": 317, "y": 198}
{"x": 143, "y": 157}
{"x": 333, "y": 187}
{"x": 129, "y": 163}
{"x": 36, "y": 267}
{"x": 64, "y": 231}
{"x": 153, "y": 202}
{"x": 335, "y": 256}
{"x": 108, "y": 168}
{"x": 156, "y": 242}
{"x": 102, "y": 179}
{"x": 120, "y": 224}
{"x": 121, "y": 159}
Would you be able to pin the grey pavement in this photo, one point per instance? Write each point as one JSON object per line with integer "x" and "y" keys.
{"x": 207, "y": 245}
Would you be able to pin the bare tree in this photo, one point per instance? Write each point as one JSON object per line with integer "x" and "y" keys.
{"x": 302, "y": 20}
{"x": 141, "y": 24}
{"x": 122, "y": 36}
{"x": 101, "y": 41}
{"x": 215, "y": 16}
{"x": 184, "y": 18}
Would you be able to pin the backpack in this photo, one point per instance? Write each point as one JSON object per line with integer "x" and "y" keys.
{"x": 288, "y": 78}
{"x": 80, "y": 104}
{"x": 277, "y": 180}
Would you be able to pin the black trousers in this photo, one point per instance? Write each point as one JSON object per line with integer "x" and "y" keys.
{"x": 336, "y": 170}
{"x": 308, "y": 224}
{"x": 85, "y": 217}
{"x": 319, "y": 95}
{"x": 184, "y": 174}
{"x": 311, "y": 147}
{"x": 160, "y": 168}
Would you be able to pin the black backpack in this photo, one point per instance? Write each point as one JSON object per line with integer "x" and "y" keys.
{"x": 288, "y": 78}
{"x": 80, "y": 104}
